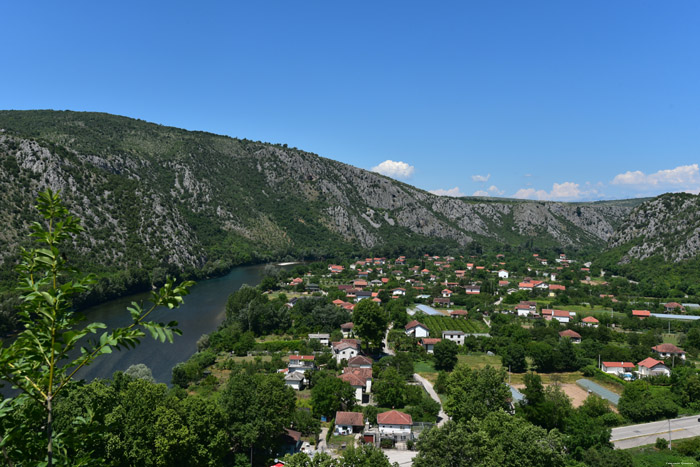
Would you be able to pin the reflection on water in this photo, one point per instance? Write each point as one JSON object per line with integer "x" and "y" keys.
{"x": 202, "y": 312}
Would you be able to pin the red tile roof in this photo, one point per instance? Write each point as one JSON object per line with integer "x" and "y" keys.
{"x": 570, "y": 333}
{"x": 667, "y": 348}
{"x": 628, "y": 365}
{"x": 650, "y": 362}
{"x": 352, "y": 379}
{"x": 349, "y": 418}
{"x": 590, "y": 319}
{"x": 641, "y": 313}
{"x": 430, "y": 340}
{"x": 302, "y": 357}
{"x": 359, "y": 360}
{"x": 394, "y": 417}
{"x": 414, "y": 324}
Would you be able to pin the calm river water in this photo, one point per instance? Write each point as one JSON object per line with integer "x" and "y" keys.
{"x": 202, "y": 312}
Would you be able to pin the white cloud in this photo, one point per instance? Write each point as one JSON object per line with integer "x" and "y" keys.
{"x": 683, "y": 176}
{"x": 454, "y": 192}
{"x": 481, "y": 193}
{"x": 560, "y": 191}
{"x": 494, "y": 190}
{"x": 395, "y": 169}
{"x": 481, "y": 178}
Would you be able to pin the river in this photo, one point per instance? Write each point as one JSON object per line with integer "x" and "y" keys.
{"x": 202, "y": 312}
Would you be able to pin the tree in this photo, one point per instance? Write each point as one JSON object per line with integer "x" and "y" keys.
{"x": 639, "y": 404}
{"x": 513, "y": 357}
{"x": 38, "y": 362}
{"x": 475, "y": 393}
{"x": 257, "y": 408}
{"x": 390, "y": 389}
{"x": 445, "y": 353}
{"x": 140, "y": 371}
{"x": 330, "y": 394}
{"x": 370, "y": 323}
{"x": 497, "y": 440}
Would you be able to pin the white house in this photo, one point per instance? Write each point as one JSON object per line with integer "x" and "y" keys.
{"x": 503, "y": 274}
{"x": 652, "y": 367}
{"x": 347, "y": 329}
{"x": 416, "y": 329}
{"x": 455, "y": 336}
{"x": 398, "y": 292}
{"x": 301, "y": 363}
{"x": 395, "y": 424}
{"x": 348, "y": 422}
{"x": 668, "y": 351}
{"x": 360, "y": 379}
{"x": 617, "y": 368}
{"x": 428, "y": 343}
{"x": 590, "y": 321}
{"x": 295, "y": 380}
{"x": 324, "y": 339}
{"x": 345, "y": 349}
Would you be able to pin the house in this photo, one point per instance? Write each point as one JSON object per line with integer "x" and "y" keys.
{"x": 362, "y": 294}
{"x": 590, "y": 321}
{"x": 335, "y": 268}
{"x": 289, "y": 441}
{"x": 348, "y": 422}
{"x": 442, "y": 301}
{"x": 416, "y": 329}
{"x": 360, "y": 362}
{"x": 395, "y": 424}
{"x": 347, "y": 329}
{"x": 359, "y": 284}
{"x": 458, "y": 313}
{"x": 503, "y": 274}
{"x": 669, "y": 351}
{"x": 617, "y": 368}
{"x": 562, "y": 316}
{"x": 553, "y": 288}
{"x": 454, "y": 336}
{"x": 460, "y": 273}
{"x": 295, "y": 380}
{"x": 503, "y": 283}
{"x": 652, "y": 367}
{"x": 672, "y": 307}
{"x": 641, "y": 314}
{"x": 573, "y": 335}
{"x": 446, "y": 293}
{"x": 398, "y": 292}
{"x": 473, "y": 289}
{"x": 345, "y": 349}
{"x": 301, "y": 363}
{"x": 428, "y": 343}
{"x": 357, "y": 380}
{"x": 324, "y": 339}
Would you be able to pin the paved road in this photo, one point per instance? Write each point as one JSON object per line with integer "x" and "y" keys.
{"x": 442, "y": 416}
{"x": 403, "y": 458}
{"x": 387, "y": 350}
{"x": 626, "y": 437}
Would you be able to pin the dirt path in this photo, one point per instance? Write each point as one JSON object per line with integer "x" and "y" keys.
{"x": 575, "y": 393}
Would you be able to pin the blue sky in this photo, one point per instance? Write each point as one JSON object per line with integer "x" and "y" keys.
{"x": 540, "y": 99}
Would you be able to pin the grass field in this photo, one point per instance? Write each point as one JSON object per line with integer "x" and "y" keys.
{"x": 670, "y": 338}
{"x": 423, "y": 367}
{"x": 480, "y": 360}
{"x": 649, "y": 456}
{"x": 437, "y": 324}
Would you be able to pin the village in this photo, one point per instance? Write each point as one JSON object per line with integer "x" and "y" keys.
{"x": 401, "y": 326}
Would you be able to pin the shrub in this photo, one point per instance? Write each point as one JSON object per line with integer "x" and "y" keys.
{"x": 661, "y": 444}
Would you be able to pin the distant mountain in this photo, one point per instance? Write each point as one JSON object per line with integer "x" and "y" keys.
{"x": 667, "y": 227}
{"x": 157, "y": 199}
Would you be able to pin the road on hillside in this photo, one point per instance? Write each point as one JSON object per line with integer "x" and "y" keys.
{"x": 434, "y": 395}
{"x": 626, "y": 437}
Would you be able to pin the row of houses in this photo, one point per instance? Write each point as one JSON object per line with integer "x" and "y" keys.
{"x": 392, "y": 424}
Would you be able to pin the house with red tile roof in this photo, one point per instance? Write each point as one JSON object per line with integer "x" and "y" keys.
{"x": 416, "y": 329}
{"x": 669, "y": 351}
{"x": 652, "y": 367}
{"x": 428, "y": 343}
{"x": 360, "y": 362}
{"x": 570, "y": 334}
{"x": 395, "y": 424}
{"x": 472, "y": 289}
{"x": 349, "y": 422}
{"x": 641, "y": 314}
{"x": 458, "y": 313}
{"x": 590, "y": 321}
{"x": 671, "y": 307}
{"x": 617, "y": 368}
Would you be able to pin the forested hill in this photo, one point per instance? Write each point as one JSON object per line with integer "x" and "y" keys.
{"x": 157, "y": 199}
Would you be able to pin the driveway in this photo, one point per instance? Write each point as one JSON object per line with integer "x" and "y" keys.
{"x": 442, "y": 416}
{"x": 387, "y": 350}
{"x": 403, "y": 458}
{"x": 626, "y": 437}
